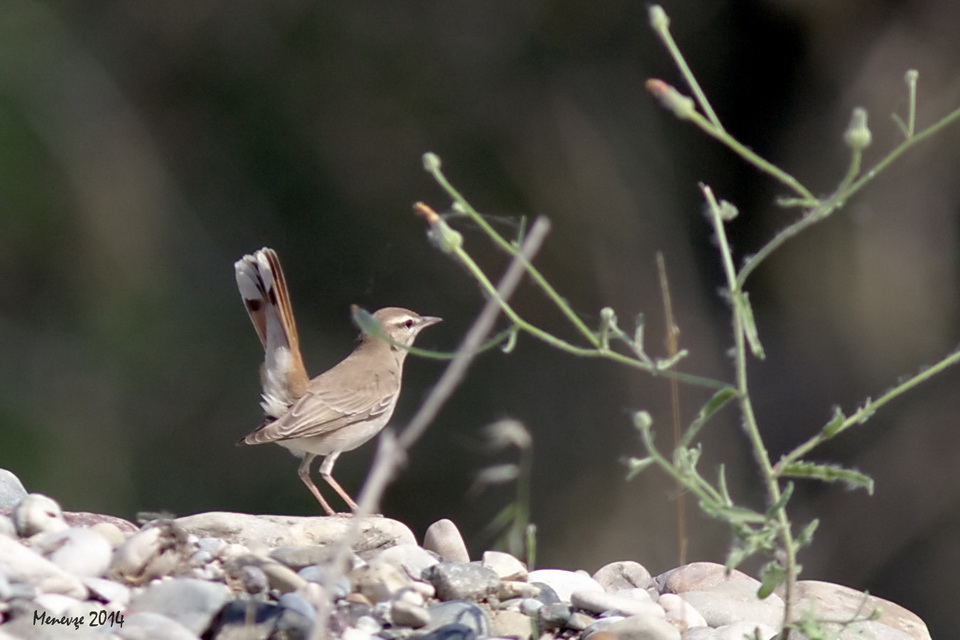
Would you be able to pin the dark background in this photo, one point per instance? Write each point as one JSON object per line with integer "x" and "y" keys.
{"x": 145, "y": 146}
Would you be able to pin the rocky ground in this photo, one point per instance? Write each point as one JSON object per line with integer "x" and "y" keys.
{"x": 231, "y": 576}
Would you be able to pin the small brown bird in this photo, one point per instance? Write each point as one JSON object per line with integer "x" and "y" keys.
{"x": 340, "y": 409}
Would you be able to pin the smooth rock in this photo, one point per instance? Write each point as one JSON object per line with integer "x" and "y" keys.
{"x": 697, "y": 576}
{"x": 11, "y": 490}
{"x": 409, "y": 614}
{"x": 623, "y": 575}
{"x": 375, "y": 533}
{"x": 564, "y": 583}
{"x": 6, "y": 527}
{"x": 641, "y": 628}
{"x": 189, "y": 602}
{"x": 147, "y": 625}
{"x": 681, "y": 612}
{"x": 600, "y": 602}
{"x": 833, "y": 601}
{"x": 459, "y": 612}
{"x": 444, "y": 539}
{"x": 111, "y": 533}
{"x": 514, "y": 589}
{"x": 299, "y": 557}
{"x": 409, "y": 558}
{"x": 745, "y": 629}
{"x": 56, "y": 603}
{"x": 512, "y": 624}
{"x": 82, "y": 552}
{"x": 454, "y": 631}
{"x": 320, "y": 574}
{"x": 700, "y": 633}
{"x": 159, "y": 549}
{"x": 462, "y": 581}
{"x": 108, "y": 591}
{"x": 21, "y": 564}
{"x": 736, "y": 600}
{"x": 504, "y": 565}
{"x": 37, "y": 513}
{"x": 87, "y": 520}
{"x": 578, "y": 620}
{"x": 295, "y": 602}
{"x": 378, "y": 582}
{"x": 554, "y": 616}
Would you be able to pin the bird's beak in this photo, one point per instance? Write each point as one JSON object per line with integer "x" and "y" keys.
{"x": 426, "y": 321}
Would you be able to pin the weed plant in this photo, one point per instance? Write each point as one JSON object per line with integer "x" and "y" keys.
{"x": 768, "y": 531}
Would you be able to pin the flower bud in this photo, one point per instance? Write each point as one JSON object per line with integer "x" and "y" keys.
{"x": 431, "y": 162}
{"x": 858, "y": 136}
{"x": 682, "y": 106}
{"x": 658, "y": 18}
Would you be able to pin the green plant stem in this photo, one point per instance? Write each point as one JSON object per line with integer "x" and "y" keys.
{"x": 757, "y": 446}
{"x": 753, "y": 158}
{"x": 511, "y": 249}
{"x": 568, "y": 347}
{"x": 868, "y": 409}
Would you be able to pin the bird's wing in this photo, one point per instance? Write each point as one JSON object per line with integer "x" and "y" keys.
{"x": 327, "y": 407}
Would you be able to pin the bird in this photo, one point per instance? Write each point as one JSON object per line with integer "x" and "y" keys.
{"x": 343, "y": 407}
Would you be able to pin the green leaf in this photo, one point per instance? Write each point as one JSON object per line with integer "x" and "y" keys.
{"x": 637, "y": 466}
{"x": 742, "y": 301}
{"x": 806, "y": 536}
{"x": 833, "y": 427}
{"x": 771, "y": 576}
{"x": 829, "y": 473}
{"x": 782, "y": 501}
{"x": 714, "y": 404}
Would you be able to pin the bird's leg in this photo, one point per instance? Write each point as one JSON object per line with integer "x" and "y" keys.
{"x": 326, "y": 472}
{"x": 304, "y": 473}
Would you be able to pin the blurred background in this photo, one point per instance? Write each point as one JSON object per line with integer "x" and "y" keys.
{"x": 144, "y": 147}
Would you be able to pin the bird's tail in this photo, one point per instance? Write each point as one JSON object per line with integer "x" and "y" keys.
{"x": 264, "y": 292}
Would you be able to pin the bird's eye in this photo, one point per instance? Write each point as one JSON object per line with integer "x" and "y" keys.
{"x": 408, "y": 323}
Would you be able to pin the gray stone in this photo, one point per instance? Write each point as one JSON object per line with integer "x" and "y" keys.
{"x": 409, "y": 614}
{"x": 681, "y": 612}
{"x": 453, "y": 631}
{"x": 147, "y": 625}
{"x": 375, "y": 533}
{"x": 459, "y": 612}
{"x": 444, "y": 539}
{"x": 564, "y": 583}
{"x": 6, "y": 527}
{"x": 623, "y": 575}
{"x": 299, "y": 557}
{"x": 642, "y": 628}
{"x": 600, "y": 602}
{"x": 697, "y": 576}
{"x": 504, "y": 565}
{"x": 189, "y": 602}
{"x": 460, "y": 581}
{"x": 378, "y": 582}
{"x": 21, "y": 564}
{"x": 836, "y": 602}
{"x": 514, "y": 589}
{"x": 320, "y": 574}
{"x": 11, "y": 489}
{"x": 736, "y": 600}
{"x": 296, "y": 602}
{"x": 109, "y": 591}
{"x": 409, "y": 558}
{"x": 37, "y": 513}
{"x": 512, "y": 624}
{"x": 82, "y": 552}
{"x": 554, "y": 616}
{"x": 159, "y": 549}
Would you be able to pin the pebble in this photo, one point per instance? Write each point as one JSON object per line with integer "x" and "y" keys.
{"x": 82, "y": 552}
{"x": 641, "y": 628}
{"x": 564, "y": 583}
{"x": 623, "y": 575}
{"x": 626, "y": 605}
{"x": 11, "y": 490}
{"x": 681, "y": 612}
{"x": 504, "y": 565}
{"x": 444, "y": 539}
{"x": 462, "y": 581}
{"x": 191, "y": 603}
{"x": 36, "y": 514}
{"x": 223, "y": 576}
{"x": 736, "y": 600}
{"x": 467, "y": 614}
